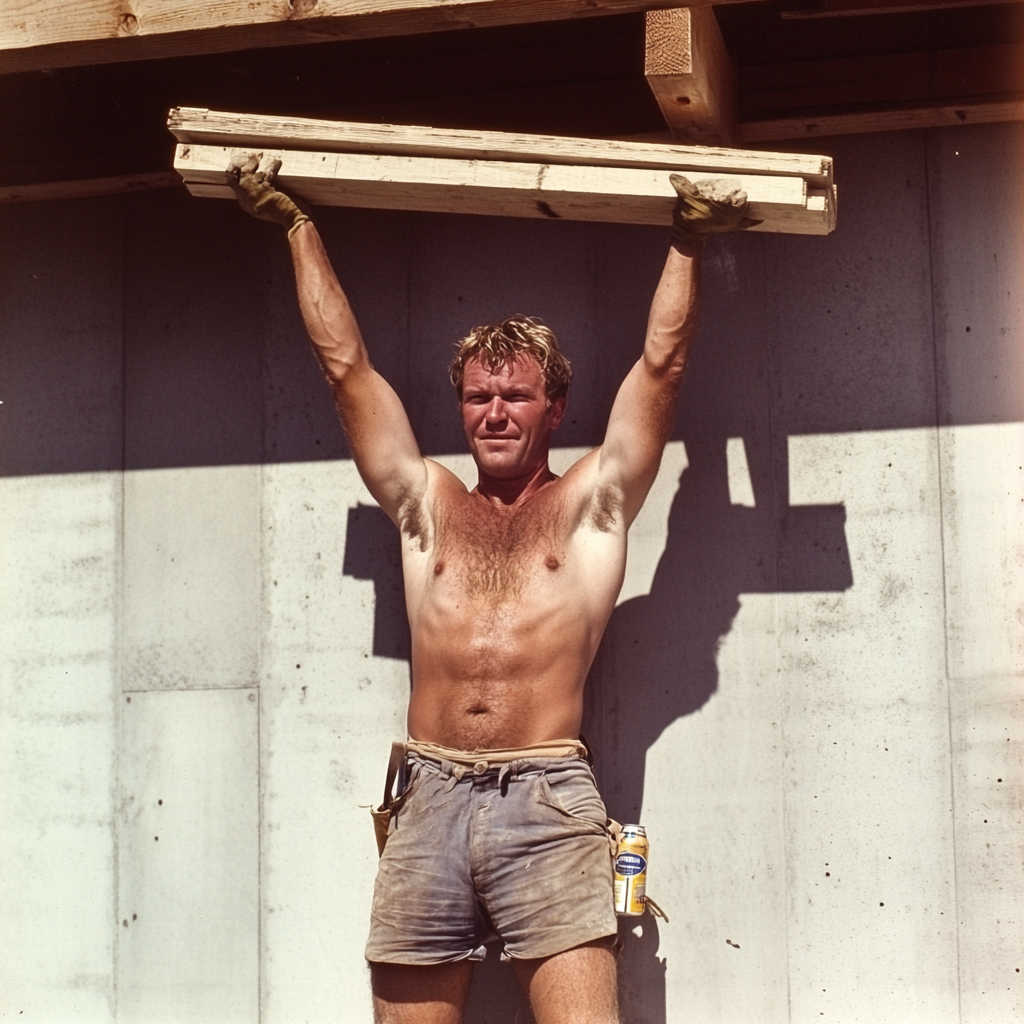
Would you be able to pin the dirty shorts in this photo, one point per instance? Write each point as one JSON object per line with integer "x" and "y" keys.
{"x": 520, "y": 851}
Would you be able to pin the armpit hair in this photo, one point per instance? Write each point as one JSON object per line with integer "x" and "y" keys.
{"x": 605, "y": 509}
{"x": 411, "y": 519}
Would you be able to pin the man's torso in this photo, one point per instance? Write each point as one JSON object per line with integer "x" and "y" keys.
{"x": 507, "y": 607}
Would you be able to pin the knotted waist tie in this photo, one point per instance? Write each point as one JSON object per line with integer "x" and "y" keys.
{"x": 460, "y": 763}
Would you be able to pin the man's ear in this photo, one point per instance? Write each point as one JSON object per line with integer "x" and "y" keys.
{"x": 557, "y": 412}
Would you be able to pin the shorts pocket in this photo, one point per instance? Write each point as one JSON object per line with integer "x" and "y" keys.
{"x": 574, "y": 793}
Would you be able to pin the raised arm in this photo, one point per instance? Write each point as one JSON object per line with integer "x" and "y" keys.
{"x": 645, "y": 405}
{"x": 375, "y": 421}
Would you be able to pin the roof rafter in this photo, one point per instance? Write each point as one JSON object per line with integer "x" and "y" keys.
{"x": 37, "y": 34}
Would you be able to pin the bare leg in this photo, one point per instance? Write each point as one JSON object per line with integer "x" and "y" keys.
{"x": 404, "y": 994}
{"x": 575, "y": 987}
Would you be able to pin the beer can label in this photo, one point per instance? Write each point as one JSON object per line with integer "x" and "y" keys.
{"x": 630, "y": 878}
{"x": 629, "y": 864}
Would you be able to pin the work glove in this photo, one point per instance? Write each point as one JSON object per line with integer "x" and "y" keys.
{"x": 257, "y": 195}
{"x": 706, "y": 208}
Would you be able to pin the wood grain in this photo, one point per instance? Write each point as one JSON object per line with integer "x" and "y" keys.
{"x": 930, "y": 116}
{"x": 625, "y": 195}
{"x": 87, "y": 188}
{"x": 248, "y": 131}
{"x": 38, "y": 34}
{"x": 691, "y": 75}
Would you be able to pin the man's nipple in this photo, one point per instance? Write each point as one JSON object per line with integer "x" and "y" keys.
{"x": 552, "y": 562}
{"x": 438, "y": 568}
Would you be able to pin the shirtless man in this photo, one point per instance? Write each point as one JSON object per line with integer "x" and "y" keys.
{"x": 508, "y": 589}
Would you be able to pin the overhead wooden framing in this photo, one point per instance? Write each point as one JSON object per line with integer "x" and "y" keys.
{"x": 410, "y": 168}
{"x": 36, "y": 34}
{"x": 691, "y": 75}
{"x": 693, "y": 78}
{"x": 848, "y": 95}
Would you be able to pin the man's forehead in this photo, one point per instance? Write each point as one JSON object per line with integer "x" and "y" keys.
{"x": 522, "y": 368}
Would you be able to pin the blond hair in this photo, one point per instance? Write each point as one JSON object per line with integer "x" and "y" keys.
{"x": 498, "y": 345}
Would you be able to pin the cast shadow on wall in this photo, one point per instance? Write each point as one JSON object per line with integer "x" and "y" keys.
{"x": 657, "y": 662}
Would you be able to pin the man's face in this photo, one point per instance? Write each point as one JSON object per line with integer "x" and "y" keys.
{"x": 507, "y": 418}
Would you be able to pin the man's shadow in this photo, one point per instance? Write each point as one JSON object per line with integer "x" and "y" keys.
{"x": 658, "y": 659}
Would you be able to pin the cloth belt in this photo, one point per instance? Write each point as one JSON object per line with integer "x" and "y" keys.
{"x": 459, "y": 763}
{"x": 479, "y": 761}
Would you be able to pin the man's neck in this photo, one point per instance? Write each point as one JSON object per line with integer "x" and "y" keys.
{"x": 509, "y": 493}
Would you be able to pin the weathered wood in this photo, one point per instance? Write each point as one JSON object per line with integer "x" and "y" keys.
{"x": 691, "y": 75}
{"x": 249, "y": 131}
{"x": 975, "y": 74}
{"x": 882, "y": 92}
{"x": 87, "y": 188}
{"x": 625, "y": 195}
{"x": 860, "y": 8}
{"x": 938, "y": 116}
{"x": 63, "y": 33}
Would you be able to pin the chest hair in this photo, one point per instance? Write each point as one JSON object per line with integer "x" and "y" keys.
{"x": 493, "y": 553}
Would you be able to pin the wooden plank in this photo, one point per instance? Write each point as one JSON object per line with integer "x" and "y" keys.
{"x": 38, "y": 34}
{"x": 87, "y": 188}
{"x": 252, "y": 131}
{"x": 937, "y": 116}
{"x": 886, "y": 81}
{"x": 850, "y": 95}
{"x": 624, "y": 195}
{"x": 691, "y": 75}
{"x": 860, "y": 8}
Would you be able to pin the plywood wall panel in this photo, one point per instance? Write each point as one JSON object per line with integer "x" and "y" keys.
{"x": 870, "y": 855}
{"x": 978, "y": 256}
{"x": 58, "y": 758}
{"x": 193, "y": 443}
{"x": 331, "y": 709}
{"x": 189, "y": 858}
{"x": 868, "y": 809}
{"x": 60, "y": 358}
{"x": 191, "y": 577}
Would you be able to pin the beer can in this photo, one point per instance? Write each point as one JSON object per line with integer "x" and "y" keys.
{"x": 631, "y": 872}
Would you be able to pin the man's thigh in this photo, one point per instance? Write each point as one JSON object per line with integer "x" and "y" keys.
{"x": 578, "y": 986}
{"x": 406, "y": 994}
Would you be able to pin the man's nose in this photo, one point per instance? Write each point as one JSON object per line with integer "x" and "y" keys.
{"x": 496, "y": 411}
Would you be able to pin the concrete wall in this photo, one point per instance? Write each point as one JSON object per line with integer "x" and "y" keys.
{"x": 809, "y": 693}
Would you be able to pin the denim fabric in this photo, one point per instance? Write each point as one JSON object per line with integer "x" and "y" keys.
{"x": 519, "y": 851}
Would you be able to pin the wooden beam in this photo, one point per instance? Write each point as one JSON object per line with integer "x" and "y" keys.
{"x": 880, "y": 121}
{"x": 863, "y": 8}
{"x": 88, "y": 188}
{"x": 848, "y": 95}
{"x": 38, "y": 34}
{"x": 624, "y": 195}
{"x": 691, "y": 75}
{"x": 253, "y": 131}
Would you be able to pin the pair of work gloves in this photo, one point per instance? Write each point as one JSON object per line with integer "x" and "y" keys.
{"x": 702, "y": 209}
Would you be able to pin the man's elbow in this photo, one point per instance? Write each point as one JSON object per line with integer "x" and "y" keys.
{"x": 667, "y": 365}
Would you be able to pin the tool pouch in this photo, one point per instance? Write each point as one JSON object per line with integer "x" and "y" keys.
{"x": 391, "y": 803}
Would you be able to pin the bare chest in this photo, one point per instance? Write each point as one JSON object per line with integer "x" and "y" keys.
{"x": 492, "y": 554}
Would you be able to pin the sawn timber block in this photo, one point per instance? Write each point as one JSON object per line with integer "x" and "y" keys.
{"x": 535, "y": 176}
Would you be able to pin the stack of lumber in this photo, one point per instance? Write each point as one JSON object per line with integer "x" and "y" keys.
{"x": 395, "y": 167}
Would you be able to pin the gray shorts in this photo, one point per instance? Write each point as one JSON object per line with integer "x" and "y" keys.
{"x": 520, "y": 852}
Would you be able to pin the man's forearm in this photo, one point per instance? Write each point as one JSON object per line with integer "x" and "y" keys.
{"x": 674, "y": 315}
{"x": 325, "y": 309}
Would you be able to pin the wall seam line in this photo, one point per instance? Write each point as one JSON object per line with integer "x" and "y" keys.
{"x": 926, "y": 151}
{"x": 118, "y": 687}
{"x": 774, "y": 503}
